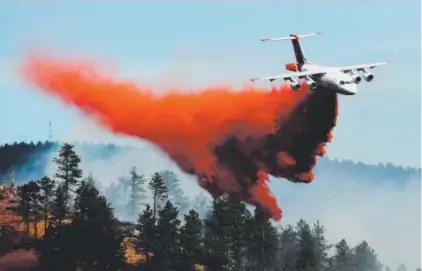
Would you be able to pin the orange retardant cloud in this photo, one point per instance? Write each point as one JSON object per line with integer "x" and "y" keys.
{"x": 231, "y": 139}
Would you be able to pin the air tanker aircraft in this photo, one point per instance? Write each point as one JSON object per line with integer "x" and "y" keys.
{"x": 342, "y": 80}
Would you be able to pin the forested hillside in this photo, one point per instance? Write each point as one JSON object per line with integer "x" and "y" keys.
{"x": 31, "y": 159}
{"x": 68, "y": 225}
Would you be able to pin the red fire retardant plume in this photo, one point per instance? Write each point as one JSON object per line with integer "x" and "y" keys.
{"x": 231, "y": 139}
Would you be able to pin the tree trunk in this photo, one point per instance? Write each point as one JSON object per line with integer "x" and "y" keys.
{"x": 45, "y": 220}
{"x": 26, "y": 231}
{"x": 36, "y": 228}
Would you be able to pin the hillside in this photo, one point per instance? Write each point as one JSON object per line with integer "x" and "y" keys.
{"x": 332, "y": 199}
{"x": 30, "y": 161}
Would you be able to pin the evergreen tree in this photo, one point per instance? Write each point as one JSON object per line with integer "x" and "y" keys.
{"x": 137, "y": 191}
{"x": 289, "y": 249}
{"x": 218, "y": 229}
{"x": 321, "y": 246}
{"x": 59, "y": 206}
{"x": 167, "y": 250}
{"x": 263, "y": 245}
{"x": 176, "y": 194}
{"x": 240, "y": 229}
{"x": 365, "y": 259}
{"x": 145, "y": 238}
{"x": 35, "y": 205}
{"x": 68, "y": 171}
{"x": 159, "y": 193}
{"x": 342, "y": 259}
{"x": 307, "y": 257}
{"x": 191, "y": 242}
{"x": 46, "y": 197}
{"x": 98, "y": 239}
{"x": 23, "y": 206}
{"x": 58, "y": 249}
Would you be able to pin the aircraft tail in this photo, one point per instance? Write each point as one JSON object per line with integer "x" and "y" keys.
{"x": 297, "y": 47}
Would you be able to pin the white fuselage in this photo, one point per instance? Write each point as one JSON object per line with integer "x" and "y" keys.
{"x": 333, "y": 79}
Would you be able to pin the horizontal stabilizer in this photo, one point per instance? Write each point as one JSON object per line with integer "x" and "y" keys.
{"x": 292, "y": 37}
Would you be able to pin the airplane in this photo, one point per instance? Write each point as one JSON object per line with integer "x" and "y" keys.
{"x": 342, "y": 80}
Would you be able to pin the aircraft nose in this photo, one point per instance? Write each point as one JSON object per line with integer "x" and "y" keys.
{"x": 352, "y": 89}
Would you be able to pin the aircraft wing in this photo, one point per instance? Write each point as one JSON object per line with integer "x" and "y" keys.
{"x": 361, "y": 66}
{"x": 290, "y": 75}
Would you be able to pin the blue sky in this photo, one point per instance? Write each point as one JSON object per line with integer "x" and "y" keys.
{"x": 199, "y": 44}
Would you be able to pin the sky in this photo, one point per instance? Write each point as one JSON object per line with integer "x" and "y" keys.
{"x": 199, "y": 44}
{"x": 196, "y": 45}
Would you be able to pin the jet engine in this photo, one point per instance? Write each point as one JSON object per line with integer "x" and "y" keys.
{"x": 311, "y": 83}
{"x": 367, "y": 75}
{"x": 294, "y": 84}
{"x": 356, "y": 78}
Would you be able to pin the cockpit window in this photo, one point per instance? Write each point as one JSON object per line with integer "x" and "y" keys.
{"x": 342, "y": 82}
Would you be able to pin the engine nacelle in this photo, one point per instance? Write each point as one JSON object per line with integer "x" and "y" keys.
{"x": 356, "y": 78}
{"x": 367, "y": 75}
{"x": 295, "y": 86}
{"x": 311, "y": 83}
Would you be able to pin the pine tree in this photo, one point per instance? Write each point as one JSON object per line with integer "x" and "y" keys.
{"x": 289, "y": 249}
{"x": 307, "y": 257}
{"x": 68, "y": 171}
{"x": 217, "y": 236}
{"x": 35, "y": 205}
{"x": 145, "y": 238}
{"x": 321, "y": 246}
{"x": 342, "y": 259}
{"x": 26, "y": 205}
{"x": 59, "y": 206}
{"x": 365, "y": 259}
{"x": 23, "y": 206}
{"x": 46, "y": 197}
{"x": 176, "y": 194}
{"x": 58, "y": 249}
{"x": 167, "y": 249}
{"x": 135, "y": 183}
{"x": 263, "y": 245}
{"x": 239, "y": 230}
{"x": 159, "y": 193}
{"x": 191, "y": 242}
{"x": 98, "y": 239}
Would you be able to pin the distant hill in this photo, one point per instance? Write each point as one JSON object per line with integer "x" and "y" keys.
{"x": 30, "y": 161}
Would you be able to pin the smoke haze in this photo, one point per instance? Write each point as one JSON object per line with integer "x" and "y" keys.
{"x": 386, "y": 215}
{"x": 229, "y": 139}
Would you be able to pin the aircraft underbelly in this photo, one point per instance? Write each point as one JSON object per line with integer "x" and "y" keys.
{"x": 333, "y": 86}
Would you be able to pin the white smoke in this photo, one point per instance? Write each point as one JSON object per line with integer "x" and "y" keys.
{"x": 386, "y": 215}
